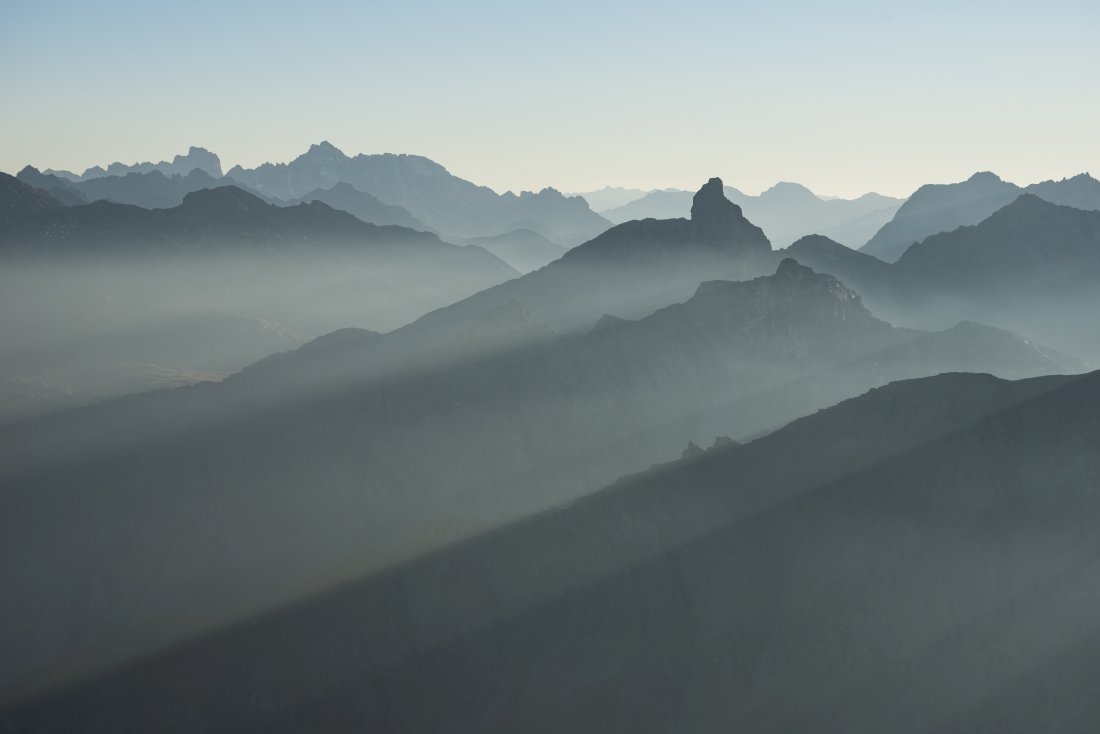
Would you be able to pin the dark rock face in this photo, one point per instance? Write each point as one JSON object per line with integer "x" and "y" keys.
{"x": 928, "y": 547}
{"x": 718, "y": 221}
{"x": 786, "y": 212}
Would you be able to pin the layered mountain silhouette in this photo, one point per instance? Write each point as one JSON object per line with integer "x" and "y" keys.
{"x": 1031, "y": 267}
{"x": 432, "y": 199}
{"x": 345, "y": 197}
{"x": 206, "y": 218}
{"x": 19, "y": 200}
{"x": 94, "y": 294}
{"x": 62, "y": 189}
{"x": 609, "y": 197}
{"x": 149, "y": 189}
{"x": 385, "y": 460}
{"x": 936, "y": 208}
{"x": 523, "y": 249}
{"x": 440, "y": 200}
{"x": 628, "y": 271}
{"x": 181, "y": 165}
{"x": 925, "y": 548}
{"x": 785, "y": 212}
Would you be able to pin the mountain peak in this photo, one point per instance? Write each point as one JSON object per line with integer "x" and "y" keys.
{"x": 324, "y": 147}
{"x": 718, "y": 221}
{"x": 984, "y": 177}
{"x": 790, "y": 190}
{"x": 711, "y": 199}
{"x": 791, "y": 268}
{"x": 223, "y": 199}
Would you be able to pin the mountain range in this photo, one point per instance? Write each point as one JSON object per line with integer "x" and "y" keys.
{"x": 610, "y": 197}
{"x": 181, "y": 165}
{"x": 785, "y": 212}
{"x": 106, "y": 298}
{"x": 431, "y": 198}
{"x": 1031, "y": 266}
{"x": 437, "y": 198}
{"x": 936, "y": 208}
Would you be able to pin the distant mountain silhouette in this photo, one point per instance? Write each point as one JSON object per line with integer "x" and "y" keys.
{"x": 1081, "y": 192}
{"x": 59, "y": 188}
{"x": 403, "y": 457}
{"x": 1032, "y": 267}
{"x": 345, "y": 197}
{"x": 19, "y": 200}
{"x": 609, "y": 197}
{"x": 181, "y": 165}
{"x": 92, "y": 279}
{"x": 523, "y": 249}
{"x": 936, "y": 208}
{"x": 1029, "y": 244}
{"x": 659, "y": 204}
{"x": 926, "y": 548}
{"x": 444, "y": 202}
{"x": 785, "y": 212}
{"x": 939, "y": 208}
{"x": 208, "y": 215}
{"x": 149, "y": 190}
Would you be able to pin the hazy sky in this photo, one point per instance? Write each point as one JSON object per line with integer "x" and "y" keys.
{"x": 842, "y": 96}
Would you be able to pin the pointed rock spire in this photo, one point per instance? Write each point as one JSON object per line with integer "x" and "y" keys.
{"x": 718, "y": 221}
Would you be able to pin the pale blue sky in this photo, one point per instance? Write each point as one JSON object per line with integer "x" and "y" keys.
{"x": 843, "y": 96}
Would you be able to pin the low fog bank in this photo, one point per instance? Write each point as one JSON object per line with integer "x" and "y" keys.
{"x": 78, "y": 330}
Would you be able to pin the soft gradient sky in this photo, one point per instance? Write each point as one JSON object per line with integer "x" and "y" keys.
{"x": 843, "y": 96}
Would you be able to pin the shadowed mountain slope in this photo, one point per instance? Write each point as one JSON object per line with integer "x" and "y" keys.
{"x": 920, "y": 558}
